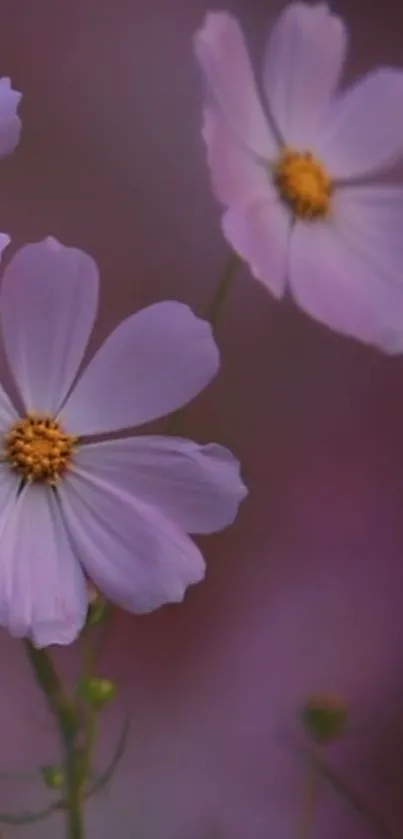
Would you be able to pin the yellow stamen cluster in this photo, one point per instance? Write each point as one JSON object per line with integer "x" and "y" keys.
{"x": 304, "y": 184}
{"x": 38, "y": 449}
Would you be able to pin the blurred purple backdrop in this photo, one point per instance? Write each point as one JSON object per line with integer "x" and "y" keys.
{"x": 305, "y": 592}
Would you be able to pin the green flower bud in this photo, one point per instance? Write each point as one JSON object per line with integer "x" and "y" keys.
{"x": 97, "y": 692}
{"x": 53, "y": 776}
{"x": 324, "y": 718}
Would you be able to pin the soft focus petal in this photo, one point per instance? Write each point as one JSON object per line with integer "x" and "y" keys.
{"x": 363, "y": 132}
{"x": 10, "y": 123}
{"x": 259, "y": 233}
{"x": 48, "y": 304}
{"x": 221, "y": 51}
{"x": 304, "y": 58}
{"x": 42, "y": 588}
{"x": 8, "y": 493}
{"x": 197, "y": 487}
{"x": 4, "y": 241}
{"x": 237, "y": 175}
{"x": 152, "y": 364}
{"x": 371, "y": 218}
{"x": 8, "y": 414}
{"x": 345, "y": 286}
{"x": 132, "y": 553}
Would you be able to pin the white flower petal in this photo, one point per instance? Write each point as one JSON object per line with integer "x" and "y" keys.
{"x": 48, "y": 304}
{"x": 334, "y": 279}
{"x": 237, "y": 175}
{"x": 221, "y": 51}
{"x": 363, "y": 133}
{"x": 153, "y": 363}
{"x": 303, "y": 62}
{"x": 132, "y": 553}
{"x": 42, "y": 589}
{"x": 197, "y": 487}
{"x": 259, "y": 233}
{"x": 10, "y": 123}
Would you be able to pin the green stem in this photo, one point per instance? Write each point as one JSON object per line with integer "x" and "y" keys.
{"x": 91, "y": 715}
{"x": 232, "y": 265}
{"x": 359, "y": 804}
{"x": 66, "y": 717}
{"x": 212, "y": 312}
{"x": 309, "y": 802}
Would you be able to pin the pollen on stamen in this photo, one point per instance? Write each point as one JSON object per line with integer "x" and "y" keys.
{"x": 304, "y": 184}
{"x": 38, "y": 449}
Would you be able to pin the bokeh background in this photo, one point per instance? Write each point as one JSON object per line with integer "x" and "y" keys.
{"x": 305, "y": 592}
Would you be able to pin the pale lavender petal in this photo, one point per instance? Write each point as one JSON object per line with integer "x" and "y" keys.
{"x": 153, "y": 363}
{"x": 48, "y": 304}
{"x": 8, "y": 493}
{"x": 132, "y": 553}
{"x": 339, "y": 282}
{"x": 259, "y": 233}
{"x": 363, "y": 132}
{"x": 10, "y": 123}
{"x": 42, "y": 587}
{"x": 198, "y": 488}
{"x": 237, "y": 175}
{"x": 4, "y": 241}
{"x": 304, "y": 57}
{"x": 231, "y": 87}
{"x": 371, "y": 218}
{"x": 8, "y": 414}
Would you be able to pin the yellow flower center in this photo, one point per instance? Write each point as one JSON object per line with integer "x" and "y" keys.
{"x": 304, "y": 184}
{"x": 38, "y": 449}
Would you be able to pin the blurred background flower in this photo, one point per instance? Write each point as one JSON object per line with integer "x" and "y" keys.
{"x": 304, "y": 594}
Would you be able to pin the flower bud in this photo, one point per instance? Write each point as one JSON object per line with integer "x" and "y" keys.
{"x": 53, "y": 776}
{"x": 324, "y": 718}
{"x": 97, "y": 692}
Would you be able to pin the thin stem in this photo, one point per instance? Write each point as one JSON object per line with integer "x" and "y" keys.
{"x": 51, "y": 686}
{"x": 309, "y": 802}
{"x": 342, "y": 787}
{"x": 74, "y": 815}
{"x": 90, "y": 738}
{"x": 212, "y": 312}
{"x": 66, "y": 717}
{"x": 110, "y": 770}
{"x": 355, "y": 799}
{"x": 231, "y": 267}
{"x": 91, "y": 716}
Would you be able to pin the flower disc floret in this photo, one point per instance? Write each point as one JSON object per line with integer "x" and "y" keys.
{"x": 304, "y": 184}
{"x": 39, "y": 449}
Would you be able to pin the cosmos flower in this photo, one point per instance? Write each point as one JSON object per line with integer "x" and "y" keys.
{"x": 10, "y": 123}
{"x": 115, "y": 512}
{"x": 297, "y": 178}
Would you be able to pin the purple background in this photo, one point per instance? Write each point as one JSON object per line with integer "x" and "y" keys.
{"x": 305, "y": 592}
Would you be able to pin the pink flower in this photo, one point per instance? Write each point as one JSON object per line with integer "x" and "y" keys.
{"x": 295, "y": 179}
{"x": 10, "y": 123}
{"x": 117, "y": 512}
